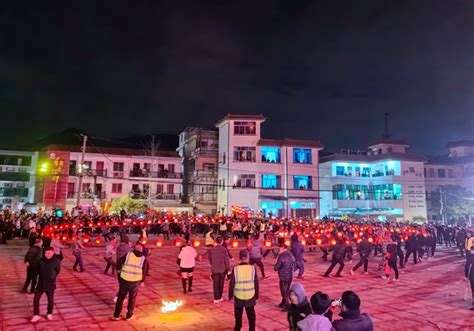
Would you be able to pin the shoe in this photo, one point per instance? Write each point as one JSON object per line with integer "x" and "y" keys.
{"x": 384, "y": 277}
{"x": 395, "y": 280}
{"x": 327, "y": 276}
{"x": 366, "y": 273}
{"x": 74, "y": 269}
{"x": 265, "y": 277}
{"x": 115, "y": 299}
{"x": 219, "y": 300}
{"x": 281, "y": 305}
{"x": 35, "y": 318}
{"x": 49, "y": 317}
{"x": 472, "y": 308}
{"x": 190, "y": 290}
{"x": 130, "y": 317}
{"x": 352, "y": 272}
{"x": 142, "y": 284}
{"x": 115, "y": 318}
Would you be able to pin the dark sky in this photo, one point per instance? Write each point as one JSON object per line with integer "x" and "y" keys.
{"x": 323, "y": 70}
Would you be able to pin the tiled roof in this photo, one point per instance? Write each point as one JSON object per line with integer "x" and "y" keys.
{"x": 244, "y": 117}
{"x": 459, "y": 143}
{"x": 290, "y": 142}
{"x": 111, "y": 151}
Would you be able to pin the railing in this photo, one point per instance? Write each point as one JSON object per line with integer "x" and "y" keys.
{"x": 87, "y": 195}
{"x": 140, "y": 173}
{"x": 155, "y": 196}
{"x": 13, "y": 192}
{"x": 15, "y": 176}
{"x": 118, "y": 174}
{"x": 98, "y": 172}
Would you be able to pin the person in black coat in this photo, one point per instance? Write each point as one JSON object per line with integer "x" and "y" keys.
{"x": 461, "y": 240}
{"x": 49, "y": 268}
{"x": 352, "y": 318}
{"x": 299, "y": 307}
{"x": 421, "y": 243}
{"x": 285, "y": 266}
{"x": 32, "y": 258}
{"x": 337, "y": 258}
{"x": 411, "y": 247}
{"x": 391, "y": 256}
{"x": 469, "y": 274}
{"x": 364, "y": 248}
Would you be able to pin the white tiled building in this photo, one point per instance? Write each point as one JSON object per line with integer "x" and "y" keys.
{"x": 455, "y": 168}
{"x": 384, "y": 182}
{"x": 278, "y": 177}
{"x": 17, "y": 178}
{"x": 110, "y": 173}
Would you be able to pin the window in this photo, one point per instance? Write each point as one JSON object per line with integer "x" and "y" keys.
{"x": 245, "y": 181}
{"x": 301, "y": 155}
{"x": 170, "y": 189}
{"x": 450, "y": 173}
{"x": 302, "y": 182}
{"x": 244, "y": 154}
{"x": 223, "y": 158}
{"x": 118, "y": 166}
{"x": 271, "y": 181}
{"x": 87, "y": 165}
{"x": 412, "y": 169}
{"x": 245, "y": 128}
{"x": 271, "y": 154}
{"x": 117, "y": 188}
{"x": 339, "y": 171}
{"x": 171, "y": 168}
{"x": 72, "y": 168}
{"x": 431, "y": 172}
{"x": 159, "y": 188}
{"x": 441, "y": 173}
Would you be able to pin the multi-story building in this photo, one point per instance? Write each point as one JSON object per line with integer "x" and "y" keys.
{"x": 109, "y": 173}
{"x": 455, "y": 168}
{"x": 384, "y": 182}
{"x": 198, "y": 148}
{"x": 278, "y": 177}
{"x": 17, "y": 178}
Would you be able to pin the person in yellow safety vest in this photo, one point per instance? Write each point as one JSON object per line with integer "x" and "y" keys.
{"x": 131, "y": 268}
{"x": 223, "y": 228}
{"x": 244, "y": 289}
{"x": 209, "y": 241}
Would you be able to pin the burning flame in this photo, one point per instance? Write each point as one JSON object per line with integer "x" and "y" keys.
{"x": 171, "y": 305}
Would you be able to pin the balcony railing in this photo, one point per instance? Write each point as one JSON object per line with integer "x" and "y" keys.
{"x": 87, "y": 195}
{"x": 118, "y": 174}
{"x": 14, "y": 192}
{"x": 15, "y": 176}
{"x": 140, "y": 173}
{"x": 155, "y": 196}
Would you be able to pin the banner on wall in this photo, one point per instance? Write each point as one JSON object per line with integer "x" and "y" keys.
{"x": 55, "y": 183}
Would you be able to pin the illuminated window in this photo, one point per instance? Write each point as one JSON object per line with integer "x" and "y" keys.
{"x": 271, "y": 154}
{"x": 301, "y": 155}
{"x": 271, "y": 181}
{"x": 302, "y": 182}
{"x": 244, "y": 128}
{"x": 340, "y": 171}
{"x": 244, "y": 154}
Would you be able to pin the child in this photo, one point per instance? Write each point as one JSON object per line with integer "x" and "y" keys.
{"x": 320, "y": 303}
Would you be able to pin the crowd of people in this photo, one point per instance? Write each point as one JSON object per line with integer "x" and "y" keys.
{"x": 288, "y": 240}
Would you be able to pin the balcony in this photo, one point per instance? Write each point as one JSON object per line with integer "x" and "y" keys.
{"x": 15, "y": 176}
{"x": 14, "y": 192}
{"x": 98, "y": 172}
{"x": 87, "y": 195}
{"x": 118, "y": 174}
{"x": 140, "y": 173}
{"x": 368, "y": 204}
{"x": 155, "y": 196}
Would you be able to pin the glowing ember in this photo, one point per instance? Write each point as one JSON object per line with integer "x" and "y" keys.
{"x": 171, "y": 305}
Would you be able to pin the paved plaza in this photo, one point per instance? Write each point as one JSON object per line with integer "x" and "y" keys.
{"x": 428, "y": 296}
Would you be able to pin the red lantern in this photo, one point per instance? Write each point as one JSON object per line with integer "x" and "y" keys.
{"x": 318, "y": 241}
{"x": 86, "y": 239}
{"x": 235, "y": 243}
{"x": 178, "y": 242}
{"x": 159, "y": 242}
{"x": 268, "y": 243}
{"x": 98, "y": 241}
{"x": 196, "y": 243}
{"x": 64, "y": 238}
{"x": 303, "y": 242}
{"x": 144, "y": 241}
{"x": 371, "y": 240}
{"x": 333, "y": 242}
{"x": 287, "y": 241}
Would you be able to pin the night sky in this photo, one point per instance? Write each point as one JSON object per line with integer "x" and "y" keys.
{"x": 323, "y": 70}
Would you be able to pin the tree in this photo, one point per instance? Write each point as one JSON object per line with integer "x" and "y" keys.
{"x": 456, "y": 201}
{"x": 130, "y": 205}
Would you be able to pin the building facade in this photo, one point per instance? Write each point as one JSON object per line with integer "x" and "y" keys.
{"x": 277, "y": 177}
{"x": 198, "y": 149}
{"x": 384, "y": 181}
{"x": 17, "y": 178}
{"x": 454, "y": 169}
{"x": 108, "y": 174}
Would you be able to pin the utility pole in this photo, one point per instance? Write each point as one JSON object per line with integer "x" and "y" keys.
{"x": 81, "y": 173}
{"x": 153, "y": 153}
{"x": 441, "y": 206}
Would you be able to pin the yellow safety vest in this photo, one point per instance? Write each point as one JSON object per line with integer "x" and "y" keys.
{"x": 209, "y": 240}
{"x": 244, "y": 288}
{"x": 132, "y": 269}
